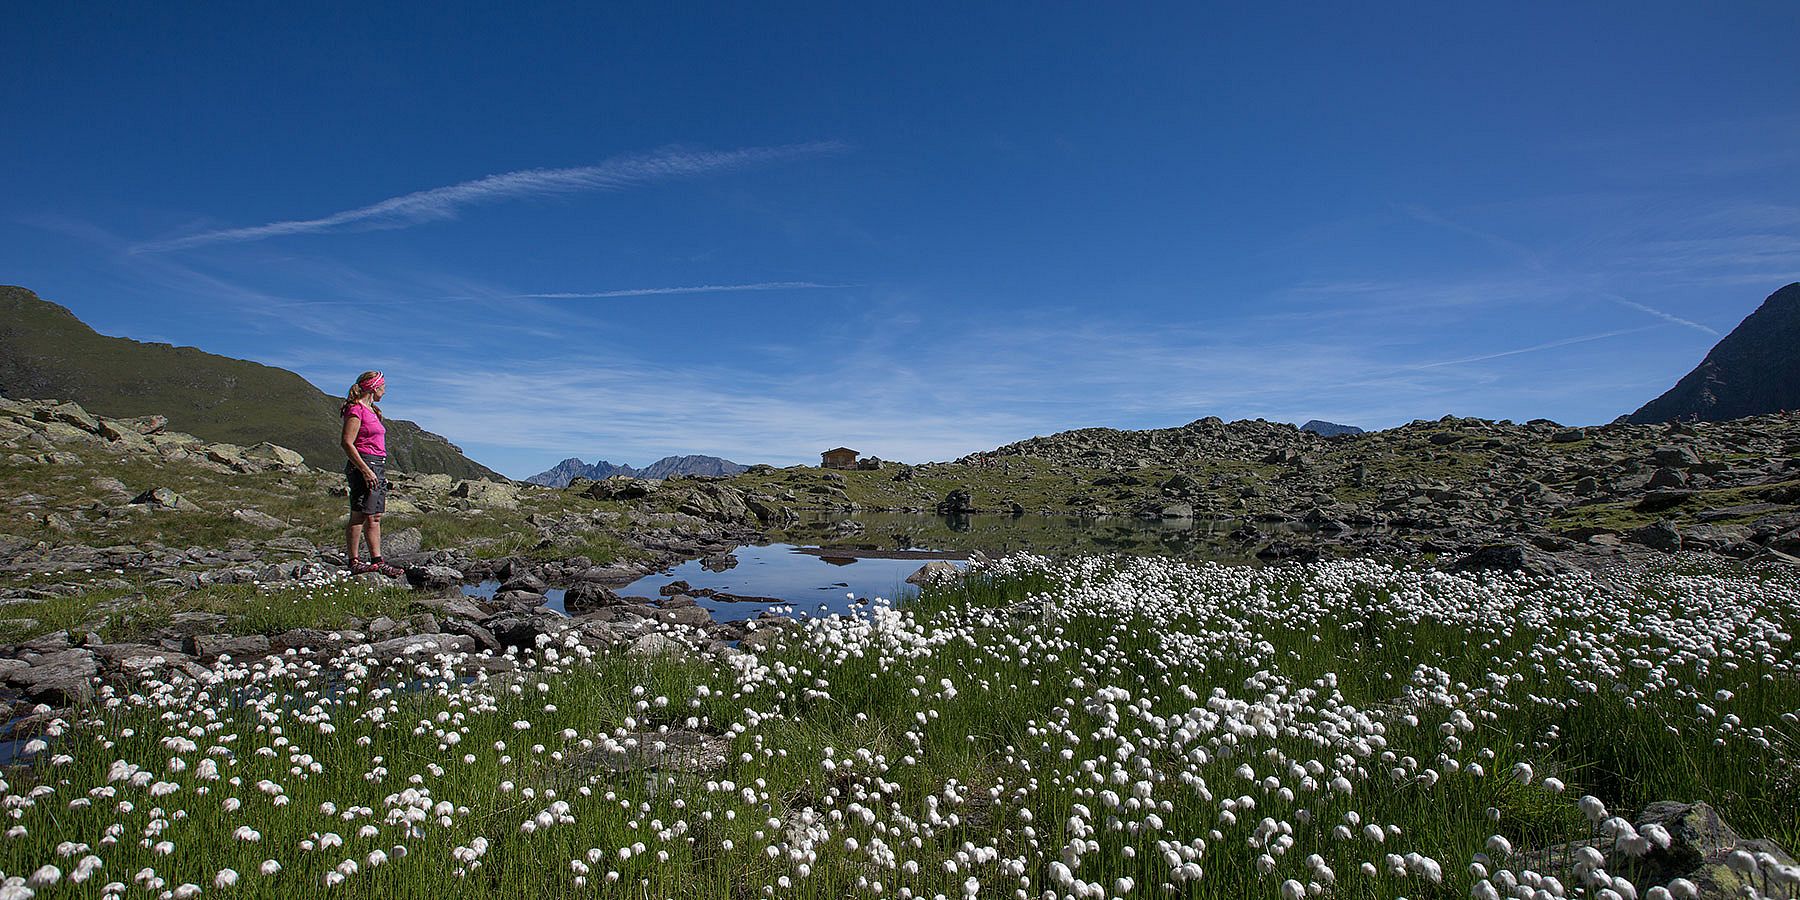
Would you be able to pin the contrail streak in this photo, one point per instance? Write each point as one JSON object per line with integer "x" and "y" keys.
{"x": 444, "y": 202}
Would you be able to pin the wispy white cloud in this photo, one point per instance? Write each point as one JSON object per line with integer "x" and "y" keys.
{"x": 1666, "y": 317}
{"x": 1534, "y": 348}
{"x": 696, "y": 289}
{"x": 444, "y": 202}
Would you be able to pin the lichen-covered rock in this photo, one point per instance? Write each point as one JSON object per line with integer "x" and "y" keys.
{"x": 933, "y": 572}
{"x": 487, "y": 493}
{"x": 212, "y": 646}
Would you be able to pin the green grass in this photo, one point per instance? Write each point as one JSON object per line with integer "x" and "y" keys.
{"x": 1625, "y": 516}
{"x": 899, "y": 739}
{"x": 127, "y": 615}
{"x": 211, "y": 396}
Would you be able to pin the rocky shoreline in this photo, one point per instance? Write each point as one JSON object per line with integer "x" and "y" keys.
{"x": 1470, "y": 494}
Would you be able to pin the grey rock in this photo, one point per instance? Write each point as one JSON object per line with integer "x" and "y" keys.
{"x": 1177, "y": 511}
{"x": 212, "y": 646}
{"x": 274, "y": 454}
{"x": 515, "y": 631}
{"x": 434, "y": 578}
{"x": 614, "y": 575}
{"x": 1659, "y": 500}
{"x": 401, "y": 542}
{"x": 653, "y": 645}
{"x": 518, "y": 598}
{"x": 54, "y": 642}
{"x": 304, "y": 639}
{"x": 488, "y": 493}
{"x": 765, "y": 634}
{"x": 677, "y": 750}
{"x": 1511, "y": 557}
{"x": 1659, "y": 535}
{"x": 526, "y": 583}
{"x": 692, "y": 616}
{"x": 453, "y": 607}
{"x": 934, "y": 572}
{"x": 426, "y": 645}
{"x": 60, "y": 679}
{"x": 484, "y": 639}
{"x": 586, "y": 595}
{"x": 1679, "y": 457}
{"x": 161, "y": 497}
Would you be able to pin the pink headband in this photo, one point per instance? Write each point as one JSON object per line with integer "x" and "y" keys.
{"x": 372, "y": 382}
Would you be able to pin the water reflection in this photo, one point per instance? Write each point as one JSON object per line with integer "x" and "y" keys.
{"x": 997, "y": 534}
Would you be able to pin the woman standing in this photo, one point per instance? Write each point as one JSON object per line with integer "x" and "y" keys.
{"x": 365, "y": 443}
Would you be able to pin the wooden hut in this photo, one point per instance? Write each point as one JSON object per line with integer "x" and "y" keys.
{"x": 839, "y": 458}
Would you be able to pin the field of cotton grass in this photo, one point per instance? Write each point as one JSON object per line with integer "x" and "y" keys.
{"x": 1094, "y": 728}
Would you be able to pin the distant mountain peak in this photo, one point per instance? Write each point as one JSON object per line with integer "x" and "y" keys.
{"x": 1752, "y": 371}
{"x": 668, "y": 467}
{"x": 1323, "y": 428}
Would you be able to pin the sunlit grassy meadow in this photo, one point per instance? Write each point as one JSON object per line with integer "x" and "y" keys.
{"x": 1101, "y": 727}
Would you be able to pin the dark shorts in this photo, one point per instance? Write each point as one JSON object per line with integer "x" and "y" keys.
{"x": 364, "y": 497}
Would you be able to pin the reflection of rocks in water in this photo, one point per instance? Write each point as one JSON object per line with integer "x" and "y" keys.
{"x": 958, "y": 521}
{"x": 839, "y": 560}
{"x": 719, "y": 562}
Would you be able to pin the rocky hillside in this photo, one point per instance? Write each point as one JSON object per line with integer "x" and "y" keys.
{"x": 571, "y": 469}
{"x": 1754, "y": 370}
{"x": 1446, "y": 488}
{"x": 45, "y": 351}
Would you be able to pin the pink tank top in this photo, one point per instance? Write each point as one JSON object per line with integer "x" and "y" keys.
{"x": 371, "y": 437}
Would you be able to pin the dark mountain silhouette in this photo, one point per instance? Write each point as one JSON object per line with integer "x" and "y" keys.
{"x": 1753, "y": 371}
{"x": 48, "y": 353}
{"x": 668, "y": 467}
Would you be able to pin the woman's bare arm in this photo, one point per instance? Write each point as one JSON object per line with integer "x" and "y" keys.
{"x": 352, "y": 426}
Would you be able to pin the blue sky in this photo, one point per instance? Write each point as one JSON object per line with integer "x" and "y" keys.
{"x": 920, "y": 231}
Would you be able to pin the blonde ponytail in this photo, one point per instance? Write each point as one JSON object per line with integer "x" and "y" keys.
{"x": 359, "y": 392}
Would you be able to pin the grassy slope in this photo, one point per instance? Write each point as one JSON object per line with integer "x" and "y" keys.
{"x": 46, "y": 352}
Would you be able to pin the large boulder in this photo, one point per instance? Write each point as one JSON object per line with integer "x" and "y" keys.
{"x": 934, "y": 572}
{"x": 716, "y": 502}
{"x": 587, "y": 595}
{"x": 1660, "y": 535}
{"x": 434, "y": 579}
{"x": 621, "y": 487}
{"x": 401, "y": 541}
{"x": 956, "y": 502}
{"x": 426, "y": 645}
{"x": 70, "y": 414}
{"x": 213, "y": 646}
{"x": 504, "y": 495}
{"x": 63, "y": 678}
{"x": 275, "y": 455}
{"x": 1511, "y": 558}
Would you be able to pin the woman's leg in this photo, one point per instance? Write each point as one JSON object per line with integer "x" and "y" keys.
{"x": 372, "y": 532}
{"x": 353, "y": 536}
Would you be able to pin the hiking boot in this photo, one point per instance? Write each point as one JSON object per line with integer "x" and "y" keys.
{"x": 363, "y": 567}
{"x": 388, "y": 569}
